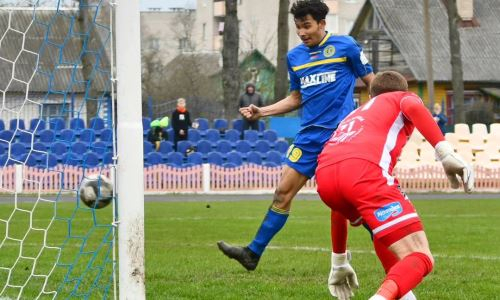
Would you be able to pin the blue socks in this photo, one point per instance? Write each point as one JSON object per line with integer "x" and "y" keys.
{"x": 273, "y": 222}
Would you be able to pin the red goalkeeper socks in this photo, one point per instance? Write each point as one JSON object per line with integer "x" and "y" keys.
{"x": 405, "y": 275}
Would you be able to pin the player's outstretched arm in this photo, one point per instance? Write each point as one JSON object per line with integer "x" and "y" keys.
{"x": 290, "y": 103}
{"x": 454, "y": 166}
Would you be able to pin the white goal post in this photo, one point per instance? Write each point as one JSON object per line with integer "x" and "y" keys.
{"x": 130, "y": 185}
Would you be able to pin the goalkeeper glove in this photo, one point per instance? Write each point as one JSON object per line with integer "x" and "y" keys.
{"x": 342, "y": 279}
{"x": 455, "y": 166}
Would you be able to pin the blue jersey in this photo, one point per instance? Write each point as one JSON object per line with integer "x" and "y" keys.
{"x": 325, "y": 75}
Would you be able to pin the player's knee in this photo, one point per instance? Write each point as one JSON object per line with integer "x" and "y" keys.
{"x": 282, "y": 198}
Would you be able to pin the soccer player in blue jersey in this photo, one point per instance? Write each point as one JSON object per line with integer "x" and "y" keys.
{"x": 323, "y": 71}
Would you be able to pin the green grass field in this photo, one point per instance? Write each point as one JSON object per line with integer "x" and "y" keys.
{"x": 183, "y": 262}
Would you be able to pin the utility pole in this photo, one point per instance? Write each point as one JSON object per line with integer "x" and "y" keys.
{"x": 428, "y": 53}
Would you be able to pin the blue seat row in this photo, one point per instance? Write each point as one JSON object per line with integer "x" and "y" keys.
{"x": 56, "y": 124}
{"x": 49, "y": 136}
{"x": 88, "y": 159}
{"x": 218, "y": 124}
{"x": 231, "y": 159}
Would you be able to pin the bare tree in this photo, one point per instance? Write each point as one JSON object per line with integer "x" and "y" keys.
{"x": 456, "y": 62}
{"x": 281, "y": 78}
{"x": 230, "y": 70}
{"x": 84, "y": 21}
{"x": 182, "y": 27}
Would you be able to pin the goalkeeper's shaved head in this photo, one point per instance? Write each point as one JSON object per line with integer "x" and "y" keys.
{"x": 387, "y": 81}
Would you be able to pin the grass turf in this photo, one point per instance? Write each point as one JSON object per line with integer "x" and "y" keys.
{"x": 183, "y": 262}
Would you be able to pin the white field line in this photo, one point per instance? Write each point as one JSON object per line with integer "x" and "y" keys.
{"x": 438, "y": 255}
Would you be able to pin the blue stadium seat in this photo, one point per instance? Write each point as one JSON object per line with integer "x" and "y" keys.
{"x": 4, "y": 147}
{"x": 90, "y": 160}
{"x": 221, "y": 124}
{"x": 224, "y": 146}
{"x": 5, "y": 161}
{"x": 46, "y": 160}
{"x": 202, "y": 124}
{"x": 71, "y": 159}
{"x": 47, "y": 136}
{"x": 262, "y": 125}
{"x": 58, "y": 149}
{"x": 194, "y": 135}
{"x": 203, "y": 146}
{"x": 67, "y": 135}
{"x": 275, "y": 157}
{"x": 15, "y": 124}
{"x": 39, "y": 146}
{"x": 270, "y": 135}
{"x": 87, "y": 135}
{"x": 2, "y": 125}
{"x": 107, "y": 158}
{"x": 175, "y": 158}
{"x": 235, "y": 158}
{"x": 170, "y": 134}
{"x": 7, "y": 135}
{"x": 270, "y": 164}
{"x": 243, "y": 146}
{"x": 237, "y": 124}
{"x": 215, "y": 158}
{"x": 79, "y": 148}
{"x": 254, "y": 157}
{"x": 99, "y": 147}
{"x": 37, "y": 124}
{"x": 106, "y": 135}
{"x": 232, "y": 135}
{"x": 29, "y": 159}
{"x": 187, "y": 165}
{"x": 229, "y": 165}
{"x": 148, "y": 147}
{"x": 97, "y": 123}
{"x": 182, "y": 146}
{"x": 212, "y": 135}
{"x": 77, "y": 124}
{"x": 57, "y": 124}
{"x": 146, "y": 124}
{"x": 195, "y": 158}
{"x": 165, "y": 148}
{"x": 154, "y": 158}
{"x": 281, "y": 146}
{"x": 25, "y": 138}
{"x": 17, "y": 150}
{"x": 262, "y": 146}
{"x": 251, "y": 135}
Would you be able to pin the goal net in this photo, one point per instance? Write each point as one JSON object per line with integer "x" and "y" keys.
{"x": 56, "y": 128}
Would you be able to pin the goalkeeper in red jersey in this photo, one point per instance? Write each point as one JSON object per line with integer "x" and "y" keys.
{"x": 368, "y": 143}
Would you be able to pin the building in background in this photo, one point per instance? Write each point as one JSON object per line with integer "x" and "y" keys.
{"x": 176, "y": 26}
{"x": 392, "y": 37}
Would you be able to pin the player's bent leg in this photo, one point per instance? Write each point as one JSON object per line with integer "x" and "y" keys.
{"x": 415, "y": 263}
{"x": 291, "y": 182}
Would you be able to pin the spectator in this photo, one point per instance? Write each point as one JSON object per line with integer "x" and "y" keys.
{"x": 156, "y": 133}
{"x": 181, "y": 121}
{"x": 250, "y": 97}
{"x": 439, "y": 117}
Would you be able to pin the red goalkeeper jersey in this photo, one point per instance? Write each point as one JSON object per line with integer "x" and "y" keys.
{"x": 378, "y": 131}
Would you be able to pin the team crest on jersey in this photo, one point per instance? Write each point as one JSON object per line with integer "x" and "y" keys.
{"x": 294, "y": 153}
{"x": 329, "y": 51}
{"x": 390, "y": 210}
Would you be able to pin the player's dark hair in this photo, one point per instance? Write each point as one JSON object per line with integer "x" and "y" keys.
{"x": 387, "y": 81}
{"x": 316, "y": 8}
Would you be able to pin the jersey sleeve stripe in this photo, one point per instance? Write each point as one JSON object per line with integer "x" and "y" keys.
{"x": 320, "y": 62}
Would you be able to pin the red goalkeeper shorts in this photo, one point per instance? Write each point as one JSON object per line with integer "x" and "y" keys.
{"x": 361, "y": 192}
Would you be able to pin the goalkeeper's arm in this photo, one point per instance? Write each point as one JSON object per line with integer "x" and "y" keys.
{"x": 414, "y": 110}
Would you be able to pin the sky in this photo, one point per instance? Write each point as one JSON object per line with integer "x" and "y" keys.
{"x": 166, "y": 4}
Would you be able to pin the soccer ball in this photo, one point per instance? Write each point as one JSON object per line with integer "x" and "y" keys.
{"x": 96, "y": 191}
